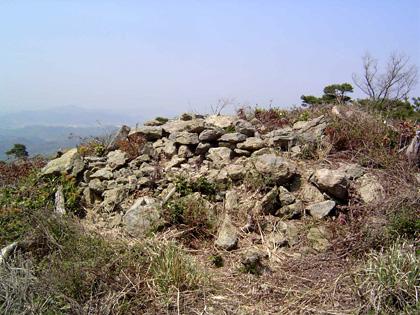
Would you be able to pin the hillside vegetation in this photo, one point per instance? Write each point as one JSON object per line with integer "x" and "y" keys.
{"x": 312, "y": 210}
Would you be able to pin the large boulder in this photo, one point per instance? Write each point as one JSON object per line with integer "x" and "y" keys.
{"x": 142, "y": 216}
{"x": 333, "y": 182}
{"x": 70, "y": 163}
{"x": 275, "y": 167}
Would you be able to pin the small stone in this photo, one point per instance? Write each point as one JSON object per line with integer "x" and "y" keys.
{"x": 202, "y": 148}
{"x": 251, "y": 144}
{"x": 333, "y": 182}
{"x": 210, "y": 135}
{"x": 219, "y": 156}
{"x": 285, "y": 197}
{"x": 318, "y": 238}
{"x": 103, "y": 174}
{"x": 244, "y": 127}
{"x": 184, "y": 152}
{"x": 116, "y": 159}
{"x": 369, "y": 189}
{"x": 150, "y": 133}
{"x": 270, "y": 202}
{"x": 321, "y": 209}
{"x": 227, "y": 237}
{"x": 234, "y": 137}
{"x": 184, "y": 137}
{"x": 141, "y": 217}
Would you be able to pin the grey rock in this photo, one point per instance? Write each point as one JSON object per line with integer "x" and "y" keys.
{"x": 292, "y": 211}
{"x": 112, "y": 198}
{"x": 278, "y": 168}
{"x": 150, "y": 133}
{"x": 202, "y": 148}
{"x": 318, "y": 236}
{"x": 97, "y": 185}
{"x": 370, "y": 189}
{"x": 141, "y": 217}
{"x": 174, "y": 162}
{"x": 320, "y": 210}
{"x": 70, "y": 163}
{"x": 235, "y": 172}
{"x": 270, "y": 202}
{"x": 234, "y": 137}
{"x": 219, "y": 156}
{"x": 227, "y": 237}
{"x": 210, "y": 135}
{"x": 103, "y": 174}
{"x": 286, "y": 198}
{"x": 184, "y": 137}
{"x": 184, "y": 152}
{"x": 251, "y": 144}
{"x": 120, "y": 135}
{"x": 220, "y": 121}
{"x": 169, "y": 149}
{"x": 116, "y": 159}
{"x": 231, "y": 200}
{"x": 193, "y": 126}
{"x": 244, "y": 127}
{"x": 333, "y": 182}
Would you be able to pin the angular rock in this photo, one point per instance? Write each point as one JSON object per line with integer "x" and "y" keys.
{"x": 112, "y": 198}
{"x": 70, "y": 163}
{"x": 120, "y": 135}
{"x": 292, "y": 211}
{"x": 231, "y": 200}
{"x": 369, "y": 189}
{"x": 278, "y": 168}
{"x": 159, "y": 121}
{"x": 309, "y": 193}
{"x": 234, "y": 137}
{"x": 193, "y": 126}
{"x": 318, "y": 238}
{"x": 103, "y": 174}
{"x": 184, "y": 152}
{"x": 169, "y": 148}
{"x": 235, "y": 172}
{"x": 333, "y": 182}
{"x": 227, "y": 236}
{"x": 174, "y": 162}
{"x": 286, "y": 198}
{"x": 219, "y": 156}
{"x": 251, "y": 144}
{"x": 116, "y": 159}
{"x": 184, "y": 137}
{"x": 270, "y": 202}
{"x": 142, "y": 216}
{"x": 150, "y": 133}
{"x": 202, "y": 148}
{"x": 97, "y": 185}
{"x": 320, "y": 210}
{"x": 244, "y": 127}
{"x": 220, "y": 121}
{"x": 210, "y": 135}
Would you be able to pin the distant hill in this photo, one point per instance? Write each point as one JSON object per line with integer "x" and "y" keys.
{"x": 66, "y": 116}
{"x": 48, "y": 139}
{"x": 45, "y": 131}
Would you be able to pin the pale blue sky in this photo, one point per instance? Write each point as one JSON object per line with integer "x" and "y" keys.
{"x": 163, "y": 57}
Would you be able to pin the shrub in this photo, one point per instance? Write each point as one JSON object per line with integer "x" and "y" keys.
{"x": 376, "y": 148}
{"x": 132, "y": 145}
{"x": 186, "y": 186}
{"x": 405, "y": 222}
{"x": 272, "y": 118}
{"x": 389, "y": 281}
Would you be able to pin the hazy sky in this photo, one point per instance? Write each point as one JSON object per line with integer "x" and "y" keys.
{"x": 163, "y": 57}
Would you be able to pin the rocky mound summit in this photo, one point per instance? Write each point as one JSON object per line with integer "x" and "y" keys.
{"x": 222, "y": 172}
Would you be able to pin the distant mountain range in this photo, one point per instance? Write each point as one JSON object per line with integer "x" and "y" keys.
{"x": 46, "y": 131}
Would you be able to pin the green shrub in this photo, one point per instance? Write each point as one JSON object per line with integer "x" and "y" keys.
{"x": 186, "y": 186}
{"x": 405, "y": 223}
{"x": 172, "y": 269}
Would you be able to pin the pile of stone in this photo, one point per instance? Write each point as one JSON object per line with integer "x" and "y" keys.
{"x": 224, "y": 149}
